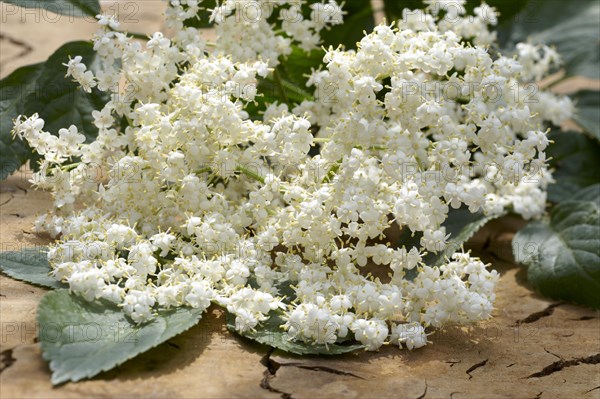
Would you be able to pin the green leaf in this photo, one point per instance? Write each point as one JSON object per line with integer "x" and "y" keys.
{"x": 576, "y": 160}
{"x": 462, "y": 225}
{"x": 285, "y": 289}
{"x": 563, "y": 254}
{"x": 359, "y": 17}
{"x": 293, "y": 73}
{"x": 82, "y": 339}
{"x": 201, "y": 21}
{"x": 571, "y": 26}
{"x": 270, "y": 333}
{"x": 508, "y": 8}
{"x": 58, "y": 100}
{"x": 393, "y": 8}
{"x": 14, "y": 89}
{"x": 29, "y": 265}
{"x": 587, "y": 114}
{"x": 591, "y": 193}
{"x": 288, "y": 83}
{"x": 297, "y": 66}
{"x": 43, "y": 89}
{"x": 75, "y": 8}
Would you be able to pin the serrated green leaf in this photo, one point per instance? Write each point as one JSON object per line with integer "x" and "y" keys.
{"x": 591, "y": 193}
{"x": 562, "y": 255}
{"x": 571, "y": 26}
{"x": 576, "y": 160}
{"x": 270, "y": 333}
{"x": 14, "y": 89}
{"x": 81, "y": 339}
{"x": 29, "y": 265}
{"x": 587, "y": 114}
{"x": 75, "y": 8}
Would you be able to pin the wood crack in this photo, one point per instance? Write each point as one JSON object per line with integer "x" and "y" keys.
{"x": 22, "y": 189}
{"x": 6, "y": 359}
{"x": 26, "y": 48}
{"x": 584, "y": 318}
{"x": 476, "y": 366}
{"x": 173, "y": 345}
{"x": 424, "y": 392}
{"x": 324, "y": 369}
{"x": 271, "y": 370}
{"x": 8, "y": 200}
{"x": 562, "y": 364}
{"x": 591, "y": 390}
{"x": 539, "y": 315}
{"x": 273, "y": 366}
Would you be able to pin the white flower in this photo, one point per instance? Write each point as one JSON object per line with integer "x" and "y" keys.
{"x": 138, "y": 305}
{"x": 78, "y": 71}
{"x": 75, "y": 67}
{"x": 312, "y": 323}
{"x": 121, "y": 236}
{"x": 108, "y": 20}
{"x": 199, "y": 295}
{"x": 103, "y": 119}
{"x": 371, "y": 333}
{"x": 410, "y": 334}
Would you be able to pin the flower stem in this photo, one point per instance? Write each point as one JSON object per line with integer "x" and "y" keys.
{"x": 277, "y": 77}
{"x": 250, "y": 174}
{"x": 321, "y": 140}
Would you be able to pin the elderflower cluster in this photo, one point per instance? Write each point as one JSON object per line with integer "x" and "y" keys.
{"x": 195, "y": 201}
{"x": 245, "y": 30}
